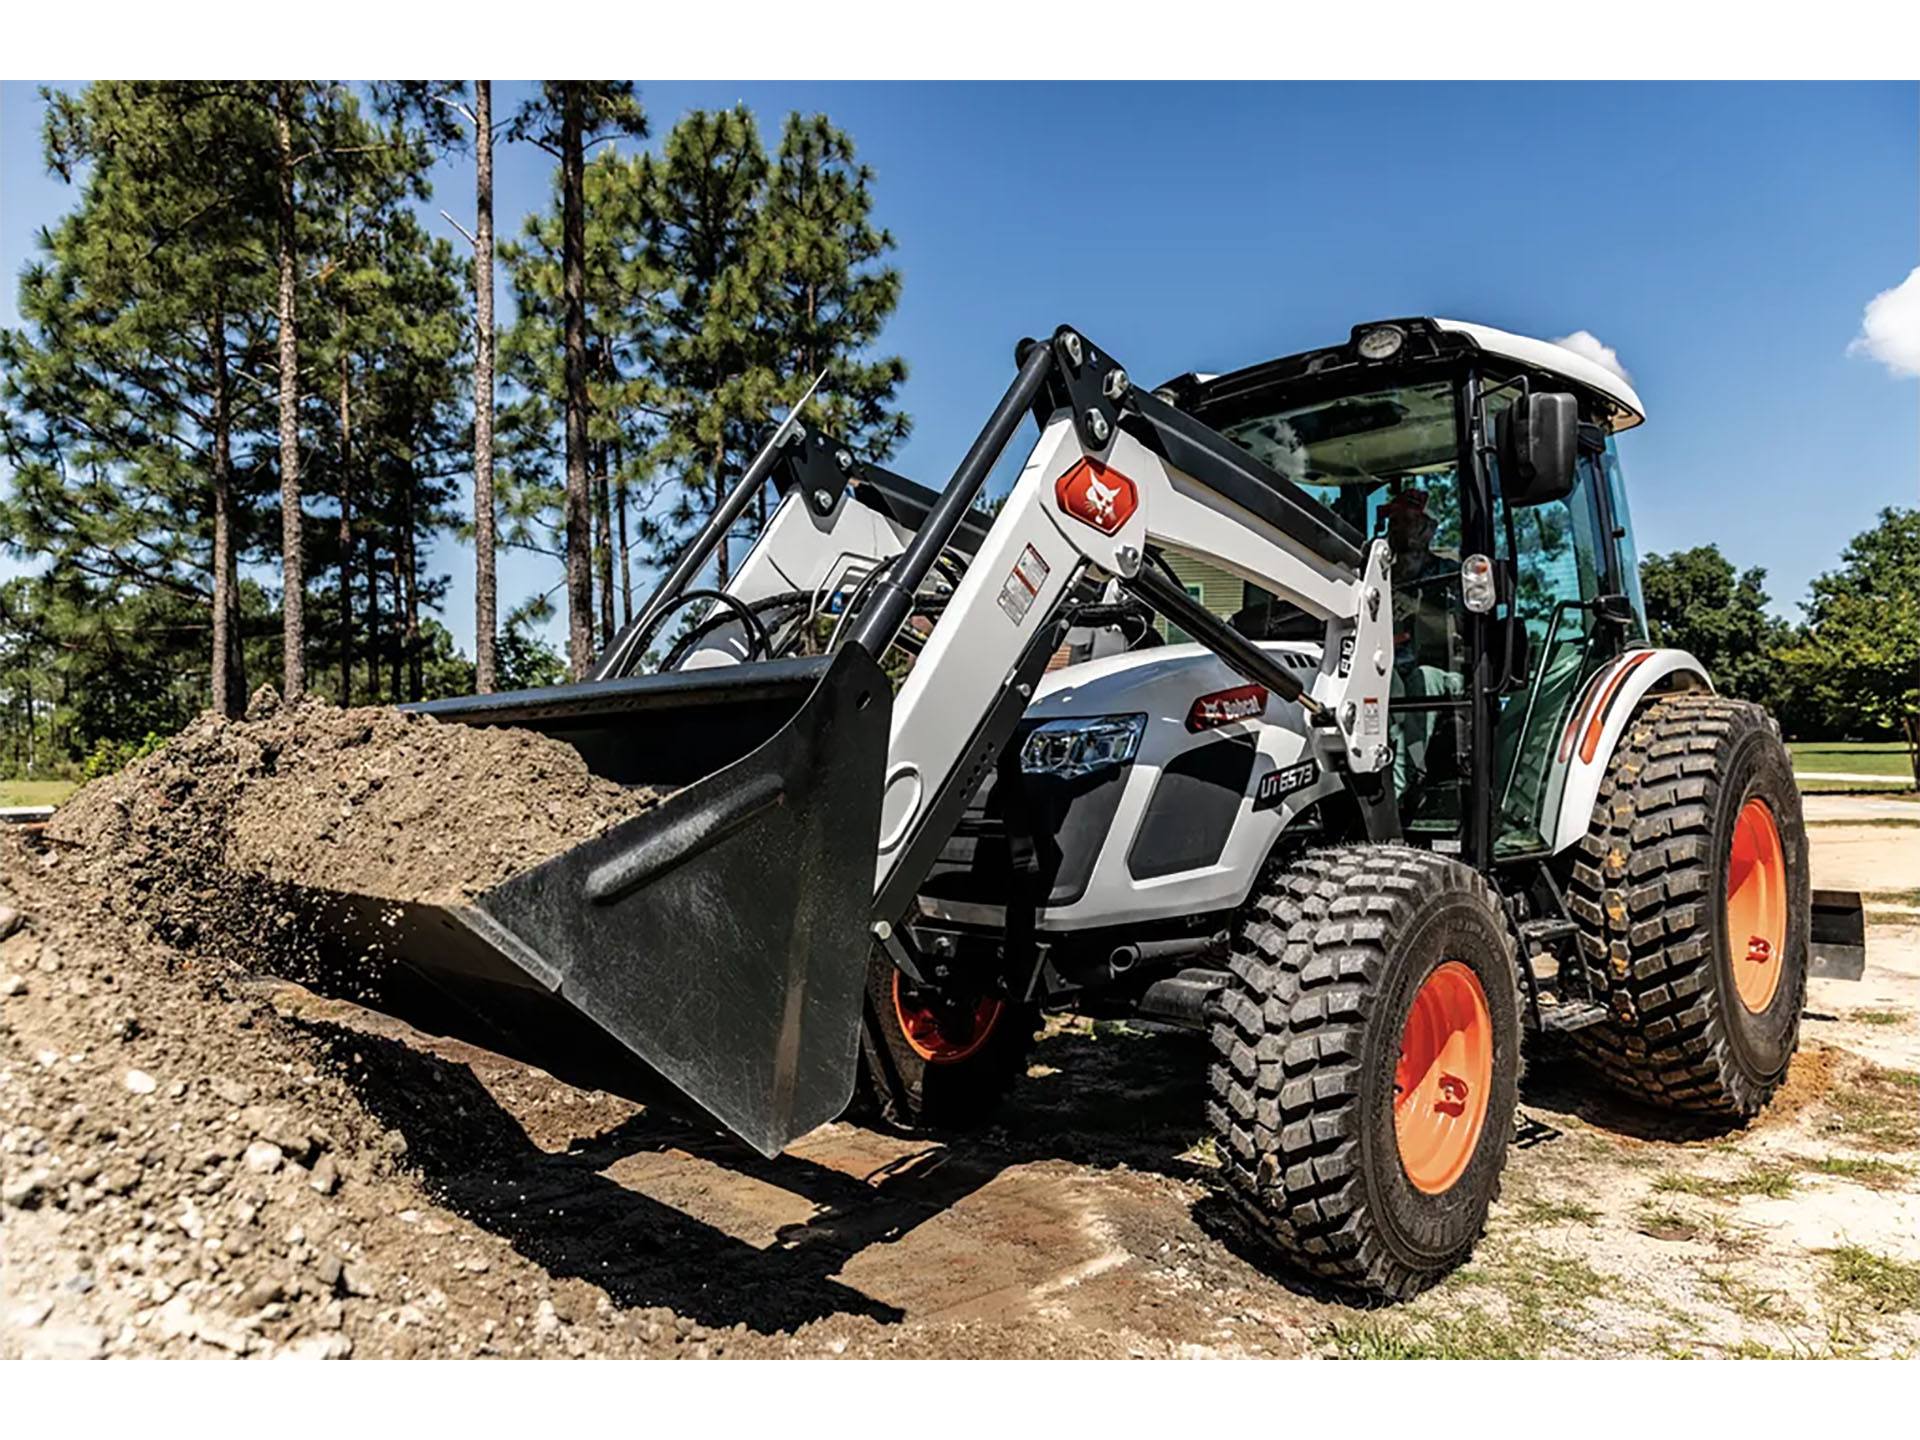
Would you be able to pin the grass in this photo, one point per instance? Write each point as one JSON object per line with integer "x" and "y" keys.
{"x": 1539, "y": 1289}
{"x": 1892, "y": 897}
{"x": 1872, "y": 1173}
{"x": 1773, "y": 1181}
{"x": 35, "y": 792}
{"x": 1752, "y": 1303}
{"x": 1533, "y": 1211}
{"x": 1878, "y": 1017}
{"x": 1880, "y": 1282}
{"x": 1870, "y": 757}
{"x": 1877, "y": 1112}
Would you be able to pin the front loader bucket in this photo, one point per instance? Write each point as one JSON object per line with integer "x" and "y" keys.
{"x": 709, "y": 954}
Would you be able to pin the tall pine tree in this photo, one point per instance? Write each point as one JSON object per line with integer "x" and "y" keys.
{"x": 566, "y": 119}
{"x": 145, "y": 360}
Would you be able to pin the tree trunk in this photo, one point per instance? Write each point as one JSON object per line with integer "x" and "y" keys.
{"x": 574, "y": 283}
{"x": 620, "y": 510}
{"x": 229, "y": 679}
{"x": 603, "y": 543}
{"x": 486, "y": 588}
{"x": 292, "y": 539}
{"x": 346, "y": 533}
{"x": 396, "y": 652}
{"x": 410, "y": 596}
{"x": 724, "y": 558}
{"x": 373, "y": 621}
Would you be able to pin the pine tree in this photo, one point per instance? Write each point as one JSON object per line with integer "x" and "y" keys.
{"x": 486, "y": 583}
{"x": 827, "y": 292}
{"x": 620, "y": 294}
{"x": 707, "y": 351}
{"x": 567, "y": 119}
{"x": 129, "y": 396}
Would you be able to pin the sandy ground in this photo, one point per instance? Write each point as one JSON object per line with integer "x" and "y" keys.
{"x": 1088, "y": 1223}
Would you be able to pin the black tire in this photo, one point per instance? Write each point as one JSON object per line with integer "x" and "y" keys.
{"x": 1326, "y": 962}
{"x": 1648, "y": 889}
{"x": 905, "y": 1090}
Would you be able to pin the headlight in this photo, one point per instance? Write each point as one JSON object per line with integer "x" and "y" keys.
{"x": 1079, "y": 747}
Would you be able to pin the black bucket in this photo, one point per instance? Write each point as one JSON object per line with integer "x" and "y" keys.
{"x": 709, "y": 954}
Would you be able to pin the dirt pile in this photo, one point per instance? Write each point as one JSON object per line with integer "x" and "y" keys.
{"x": 376, "y": 800}
{"x": 183, "y": 1170}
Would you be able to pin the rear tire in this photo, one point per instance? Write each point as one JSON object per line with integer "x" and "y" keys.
{"x": 1699, "y": 792}
{"x": 1317, "y": 1104}
{"x": 933, "y": 1063}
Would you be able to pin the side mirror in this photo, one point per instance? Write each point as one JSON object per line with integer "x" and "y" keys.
{"x": 1535, "y": 440}
{"x": 1613, "y": 610}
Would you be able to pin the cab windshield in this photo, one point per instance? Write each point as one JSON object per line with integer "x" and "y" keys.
{"x": 1357, "y": 453}
{"x": 1387, "y": 461}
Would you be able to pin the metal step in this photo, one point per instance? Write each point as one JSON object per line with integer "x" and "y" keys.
{"x": 1540, "y": 933}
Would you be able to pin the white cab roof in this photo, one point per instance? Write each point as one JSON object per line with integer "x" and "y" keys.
{"x": 1545, "y": 355}
{"x": 1542, "y": 355}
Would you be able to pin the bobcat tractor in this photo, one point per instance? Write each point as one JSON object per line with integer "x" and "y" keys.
{"x": 1311, "y": 707}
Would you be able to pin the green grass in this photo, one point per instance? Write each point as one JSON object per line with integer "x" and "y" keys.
{"x": 1870, "y": 757}
{"x": 1773, "y": 1181}
{"x": 1544, "y": 1292}
{"x": 1878, "y": 823}
{"x": 1874, "y": 1174}
{"x": 1473, "y": 1335}
{"x": 1880, "y": 1282}
{"x": 1876, "y": 1112}
{"x": 1878, "y": 1017}
{"x": 35, "y": 792}
{"x": 1554, "y": 1212}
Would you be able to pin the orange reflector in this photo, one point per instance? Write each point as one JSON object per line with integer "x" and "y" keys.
{"x": 1098, "y": 496}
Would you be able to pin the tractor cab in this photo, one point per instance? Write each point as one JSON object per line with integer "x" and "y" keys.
{"x": 1514, "y": 575}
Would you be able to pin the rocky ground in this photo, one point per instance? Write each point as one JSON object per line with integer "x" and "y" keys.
{"x": 193, "y": 1162}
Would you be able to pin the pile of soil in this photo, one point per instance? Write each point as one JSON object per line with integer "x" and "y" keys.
{"x": 186, "y": 1170}
{"x": 376, "y": 801}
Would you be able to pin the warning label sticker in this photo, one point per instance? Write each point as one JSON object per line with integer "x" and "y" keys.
{"x": 1023, "y": 584}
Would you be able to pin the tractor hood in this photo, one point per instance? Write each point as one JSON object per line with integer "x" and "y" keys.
{"x": 1162, "y": 681}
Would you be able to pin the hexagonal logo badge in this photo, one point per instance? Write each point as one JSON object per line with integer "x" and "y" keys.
{"x": 1098, "y": 496}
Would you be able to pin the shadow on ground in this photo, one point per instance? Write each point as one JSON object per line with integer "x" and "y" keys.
{"x": 1099, "y": 1100}
{"x": 1115, "y": 1100}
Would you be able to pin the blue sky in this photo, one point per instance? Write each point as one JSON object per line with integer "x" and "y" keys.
{"x": 1722, "y": 238}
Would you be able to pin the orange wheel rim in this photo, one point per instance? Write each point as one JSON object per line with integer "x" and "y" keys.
{"x": 944, "y": 1035}
{"x": 1443, "y": 1081}
{"x": 1756, "y": 905}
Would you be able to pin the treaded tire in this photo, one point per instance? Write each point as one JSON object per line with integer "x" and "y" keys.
{"x": 1647, "y": 889}
{"x": 1326, "y": 961}
{"x": 904, "y": 1091}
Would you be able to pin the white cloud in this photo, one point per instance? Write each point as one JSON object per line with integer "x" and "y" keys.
{"x": 1890, "y": 329}
{"x": 1586, "y": 344}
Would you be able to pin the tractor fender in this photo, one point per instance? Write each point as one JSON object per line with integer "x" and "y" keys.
{"x": 1600, "y": 717}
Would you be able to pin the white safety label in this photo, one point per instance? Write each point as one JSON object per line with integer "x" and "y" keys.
{"x": 1023, "y": 584}
{"x": 1370, "y": 716}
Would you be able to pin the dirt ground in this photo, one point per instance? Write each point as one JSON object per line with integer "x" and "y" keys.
{"x": 194, "y": 1164}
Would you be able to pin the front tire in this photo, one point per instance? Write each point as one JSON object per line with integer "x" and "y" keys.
{"x": 1691, "y": 891}
{"x": 1368, "y": 1063}
{"x": 932, "y": 1061}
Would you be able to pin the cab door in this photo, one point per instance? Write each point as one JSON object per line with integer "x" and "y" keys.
{"x": 1563, "y": 555}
